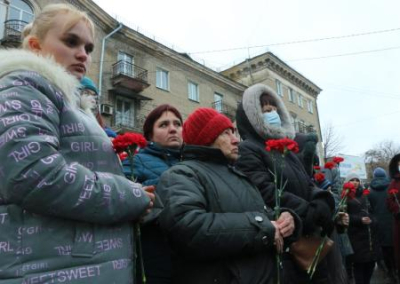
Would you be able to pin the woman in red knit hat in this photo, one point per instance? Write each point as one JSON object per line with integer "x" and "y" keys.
{"x": 215, "y": 219}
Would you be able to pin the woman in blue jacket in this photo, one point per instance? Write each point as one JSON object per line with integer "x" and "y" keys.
{"x": 163, "y": 130}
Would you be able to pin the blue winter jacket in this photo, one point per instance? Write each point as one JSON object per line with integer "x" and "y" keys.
{"x": 150, "y": 163}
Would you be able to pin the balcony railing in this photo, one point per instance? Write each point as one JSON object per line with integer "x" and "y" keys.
{"x": 127, "y": 77}
{"x": 128, "y": 69}
{"x": 12, "y": 32}
{"x": 225, "y": 109}
{"x": 124, "y": 123}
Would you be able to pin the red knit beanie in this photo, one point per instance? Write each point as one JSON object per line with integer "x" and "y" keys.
{"x": 203, "y": 126}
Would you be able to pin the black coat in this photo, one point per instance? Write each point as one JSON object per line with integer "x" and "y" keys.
{"x": 363, "y": 237}
{"x": 217, "y": 222}
{"x": 379, "y": 192}
{"x": 312, "y": 204}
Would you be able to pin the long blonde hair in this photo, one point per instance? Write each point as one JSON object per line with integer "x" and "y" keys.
{"x": 44, "y": 21}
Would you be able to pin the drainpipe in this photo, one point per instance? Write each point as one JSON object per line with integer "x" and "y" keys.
{"x": 102, "y": 58}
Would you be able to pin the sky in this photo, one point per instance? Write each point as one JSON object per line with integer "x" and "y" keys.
{"x": 350, "y": 49}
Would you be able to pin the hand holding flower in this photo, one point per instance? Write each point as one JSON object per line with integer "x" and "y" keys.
{"x": 343, "y": 219}
{"x": 286, "y": 224}
{"x": 366, "y": 220}
{"x": 278, "y": 239}
{"x": 149, "y": 191}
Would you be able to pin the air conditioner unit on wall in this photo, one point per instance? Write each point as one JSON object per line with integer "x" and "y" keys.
{"x": 107, "y": 109}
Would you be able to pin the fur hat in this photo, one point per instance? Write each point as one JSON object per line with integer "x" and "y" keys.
{"x": 204, "y": 125}
{"x": 379, "y": 172}
{"x": 351, "y": 176}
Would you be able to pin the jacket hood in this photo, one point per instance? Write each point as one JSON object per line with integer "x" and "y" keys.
{"x": 250, "y": 120}
{"x": 20, "y": 59}
{"x": 393, "y": 167}
{"x": 380, "y": 183}
{"x": 379, "y": 172}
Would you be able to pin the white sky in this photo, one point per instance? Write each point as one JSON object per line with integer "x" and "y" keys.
{"x": 361, "y": 92}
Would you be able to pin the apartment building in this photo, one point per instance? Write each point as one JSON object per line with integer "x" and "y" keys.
{"x": 134, "y": 73}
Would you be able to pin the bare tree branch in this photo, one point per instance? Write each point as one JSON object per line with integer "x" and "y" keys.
{"x": 380, "y": 155}
{"x": 331, "y": 141}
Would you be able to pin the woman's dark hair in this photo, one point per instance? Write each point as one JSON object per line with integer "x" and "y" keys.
{"x": 267, "y": 99}
{"x": 156, "y": 114}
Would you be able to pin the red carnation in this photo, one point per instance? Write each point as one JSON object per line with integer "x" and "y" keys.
{"x": 337, "y": 160}
{"x": 393, "y": 191}
{"x": 282, "y": 145}
{"x": 317, "y": 168}
{"x": 329, "y": 165}
{"x": 349, "y": 190}
{"x": 128, "y": 141}
{"x": 123, "y": 156}
{"x": 319, "y": 177}
{"x": 366, "y": 192}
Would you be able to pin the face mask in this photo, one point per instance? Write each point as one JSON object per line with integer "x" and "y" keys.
{"x": 399, "y": 169}
{"x": 272, "y": 118}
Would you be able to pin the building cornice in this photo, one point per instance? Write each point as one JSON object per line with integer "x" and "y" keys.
{"x": 273, "y": 63}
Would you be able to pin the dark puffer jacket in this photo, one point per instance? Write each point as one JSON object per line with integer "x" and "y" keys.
{"x": 379, "y": 192}
{"x": 216, "y": 221}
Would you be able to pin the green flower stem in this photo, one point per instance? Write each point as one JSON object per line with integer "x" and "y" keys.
{"x": 138, "y": 241}
{"x": 314, "y": 263}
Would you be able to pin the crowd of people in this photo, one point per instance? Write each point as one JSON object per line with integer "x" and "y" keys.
{"x": 204, "y": 201}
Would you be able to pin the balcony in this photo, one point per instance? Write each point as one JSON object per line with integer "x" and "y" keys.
{"x": 122, "y": 124}
{"x": 12, "y": 33}
{"x": 225, "y": 109}
{"x": 129, "y": 80}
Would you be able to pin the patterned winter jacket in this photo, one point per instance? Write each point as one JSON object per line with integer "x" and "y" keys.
{"x": 65, "y": 205}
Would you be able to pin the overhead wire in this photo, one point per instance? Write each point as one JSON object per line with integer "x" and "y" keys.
{"x": 299, "y": 41}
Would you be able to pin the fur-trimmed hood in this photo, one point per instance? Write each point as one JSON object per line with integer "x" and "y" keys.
{"x": 250, "y": 120}
{"x": 20, "y": 59}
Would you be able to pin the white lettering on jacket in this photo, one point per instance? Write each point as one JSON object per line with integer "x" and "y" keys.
{"x": 10, "y": 105}
{"x": 84, "y": 147}
{"x": 16, "y": 118}
{"x": 12, "y": 134}
{"x": 70, "y": 174}
{"x": 106, "y": 245}
{"x": 25, "y": 151}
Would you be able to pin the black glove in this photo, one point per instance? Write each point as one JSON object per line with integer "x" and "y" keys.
{"x": 319, "y": 214}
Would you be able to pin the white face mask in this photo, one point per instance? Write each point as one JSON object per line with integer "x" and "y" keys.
{"x": 272, "y": 118}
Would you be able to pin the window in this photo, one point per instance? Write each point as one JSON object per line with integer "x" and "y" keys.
{"x": 310, "y": 106}
{"x": 291, "y": 95}
{"x": 300, "y": 100}
{"x": 125, "y": 64}
{"x": 193, "y": 92}
{"x": 20, "y": 10}
{"x": 279, "y": 87}
{"x": 162, "y": 79}
{"x": 124, "y": 112}
{"x": 218, "y": 102}
{"x": 293, "y": 120}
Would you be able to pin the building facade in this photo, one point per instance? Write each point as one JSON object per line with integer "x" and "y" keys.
{"x": 133, "y": 72}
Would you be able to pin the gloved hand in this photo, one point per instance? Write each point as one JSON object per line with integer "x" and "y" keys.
{"x": 319, "y": 214}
